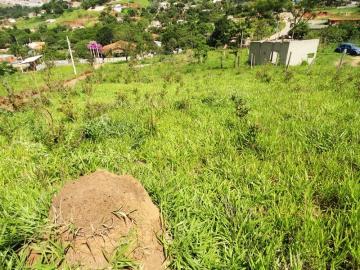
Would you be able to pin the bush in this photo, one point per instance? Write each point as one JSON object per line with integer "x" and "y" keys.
{"x": 300, "y": 30}
{"x": 5, "y": 69}
{"x": 340, "y": 33}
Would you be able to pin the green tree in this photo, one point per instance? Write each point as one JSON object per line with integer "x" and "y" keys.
{"x": 106, "y": 18}
{"x": 5, "y": 69}
{"x": 301, "y": 8}
{"x": 56, "y": 7}
{"x": 18, "y": 50}
{"x": 5, "y": 39}
{"x": 201, "y": 50}
{"x": 264, "y": 7}
{"x": 81, "y": 50}
{"x": 105, "y": 35}
{"x": 300, "y": 30}
{"x": 224, "y": 30}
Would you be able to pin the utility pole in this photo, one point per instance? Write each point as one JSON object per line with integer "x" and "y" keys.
{"x": 71, "y": 55}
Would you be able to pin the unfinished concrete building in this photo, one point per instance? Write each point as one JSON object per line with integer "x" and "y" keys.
{"x": 286, "y": 52}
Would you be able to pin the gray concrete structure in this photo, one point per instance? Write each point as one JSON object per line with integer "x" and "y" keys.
{"x": 292, "y": 52}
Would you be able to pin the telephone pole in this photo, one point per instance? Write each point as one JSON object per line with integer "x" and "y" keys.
{"x": 71, "y": 55}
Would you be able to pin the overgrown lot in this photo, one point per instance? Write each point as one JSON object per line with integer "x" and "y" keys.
{"x": 252, "y": 168}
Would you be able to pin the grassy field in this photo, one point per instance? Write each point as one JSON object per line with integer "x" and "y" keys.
{"x": 251, "y": 168}
{"x": 141, "y": 3}
{"x": 350, "y": 12}
{"x": 19, "y": 82}
{"x": 88, "y": 18}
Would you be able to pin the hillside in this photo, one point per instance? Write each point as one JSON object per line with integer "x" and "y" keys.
{"x": 153, "y": 135}
{"x": 251, "y": 167}
{"x": 78, "y": 17}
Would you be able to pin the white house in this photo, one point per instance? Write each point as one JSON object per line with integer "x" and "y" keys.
{"x": 164, "y": 5}
{"x": 158, "y": 43}
{"x": 36, "y": 46}
{"x": 97, "y": 8}
{"x": 292, "y": 52}
{"x": 51, "y": 20}
{"x": 118, "y": 8}
{"x": 155, "y": 24}
{"x": 75, "y": 4}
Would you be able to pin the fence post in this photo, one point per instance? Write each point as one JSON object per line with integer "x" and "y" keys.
{"x": 288, "y": 63}
{"x": 222, "y": 59}
{"x": 71, "y": 55}
{"x": 341, "y": 59}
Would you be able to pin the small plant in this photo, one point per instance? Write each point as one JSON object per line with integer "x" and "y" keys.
{"x": 10, "y": 94}
{"x": 104, "y": 127}
{"x": 289, "y": 75}
{"x": 151, "y": 124}
{"x": 357, "y": 88}
{"x": 264, "y": 74}
{"x": 68, "y": 109}
{"x": 240, "y": 106}
{"x": 121, "y": 99}
{"x": 182, "y": 105}
{"x": 50, "y": 134}
{"x": 96, "y": 109}
{"x": 208, "y": 100}
{"x": 87, "y": 86}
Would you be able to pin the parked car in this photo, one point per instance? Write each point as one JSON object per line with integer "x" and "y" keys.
{"x": 350, "y": 48}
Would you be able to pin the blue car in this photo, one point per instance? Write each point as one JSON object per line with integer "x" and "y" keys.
{"x": 350, "y": 48}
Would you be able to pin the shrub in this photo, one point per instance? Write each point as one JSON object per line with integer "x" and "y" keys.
{"x": 104, "y": 127}
{"x": 5, "y": 68}
{"x": 121, "y": 99}
{"x": 68, "y": 109}
{"x": 240, "y": 106}
{"x": 182, "y": 105}
{"x": 264, "y": 74}
{"x": 96, "y": 109}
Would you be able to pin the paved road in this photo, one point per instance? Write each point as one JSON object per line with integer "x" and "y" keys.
{"x": 287, "y": 17}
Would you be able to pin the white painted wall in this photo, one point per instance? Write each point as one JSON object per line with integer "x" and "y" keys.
{"x": 300, "y": 51}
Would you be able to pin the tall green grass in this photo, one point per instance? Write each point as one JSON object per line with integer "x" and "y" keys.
{"x": 251, "y": 168}
{"x": 35, "y": 80}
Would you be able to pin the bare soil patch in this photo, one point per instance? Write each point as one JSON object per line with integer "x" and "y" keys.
{"x": 102, "y": 211}
{"x": 354, "y": 61}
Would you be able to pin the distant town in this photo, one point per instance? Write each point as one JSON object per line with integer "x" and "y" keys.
{"x": 29, "y": 3}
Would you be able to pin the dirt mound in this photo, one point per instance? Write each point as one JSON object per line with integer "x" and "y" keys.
{"x": 101, "y": 212}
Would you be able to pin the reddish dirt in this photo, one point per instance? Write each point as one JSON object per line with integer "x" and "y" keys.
{"x": 98, "y": 212}
{"x": 72, "y": 82}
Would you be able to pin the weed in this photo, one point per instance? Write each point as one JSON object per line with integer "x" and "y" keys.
{"x": 121, "y": 99}
{"x": 10, "y": 94}
{"x": 240, "y": 106}
{"x": 68, "y": 109}
{"x": 103, "y": 127}
{"x": 182, "y": 105}
{"x": 95, "y": 109}
{"x": 264, "y": 74}
{"x": 87, "y": 86}
{"x": 289, "y": 75}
